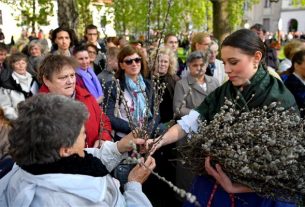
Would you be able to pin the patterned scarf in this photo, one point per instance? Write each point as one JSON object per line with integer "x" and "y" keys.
{"x": 91, "y": 81}
{"x": 136, "y": 92}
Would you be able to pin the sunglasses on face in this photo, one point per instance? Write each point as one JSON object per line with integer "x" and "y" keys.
{"x": 129, "y": 61}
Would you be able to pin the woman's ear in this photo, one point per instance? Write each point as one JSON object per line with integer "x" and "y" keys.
{"x": 46, "y": 81}
{"x": 65, "y": 151}
{"x": 257, "y": 57}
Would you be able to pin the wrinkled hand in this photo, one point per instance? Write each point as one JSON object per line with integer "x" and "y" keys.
{"x": 124, "y": 145}
{"x": 140, "y": 173}
{"x": 223, "y": 179}
{"x": 153, "y": 144}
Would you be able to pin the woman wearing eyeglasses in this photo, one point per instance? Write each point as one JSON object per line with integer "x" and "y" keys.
{"x": 131, "y": 71}
{"x": 191, "y": 90}
{"x": 132, "y": 89}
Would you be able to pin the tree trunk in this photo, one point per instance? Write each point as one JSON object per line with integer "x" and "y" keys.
{"x": 67, "y": 13}
{"x": 221, "y": 26}
{"x": 34, "y": 15}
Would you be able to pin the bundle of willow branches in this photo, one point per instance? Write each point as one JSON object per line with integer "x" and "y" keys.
{"x": 262, "y": 149}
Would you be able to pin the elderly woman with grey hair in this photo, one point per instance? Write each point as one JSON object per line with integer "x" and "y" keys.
{"x": 191, "y": 90}
{"x": 36, "y": 52}
{"x": 53, "y": 169}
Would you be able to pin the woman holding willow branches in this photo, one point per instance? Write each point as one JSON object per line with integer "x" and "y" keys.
{"x": 127, "y": 99}
{"x": 250, "y": 86}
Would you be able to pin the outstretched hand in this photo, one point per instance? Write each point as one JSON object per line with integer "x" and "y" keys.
{"x": 125, "y": 144}
{"x": 153, "y": 144}
{"x": 222, "y": 178}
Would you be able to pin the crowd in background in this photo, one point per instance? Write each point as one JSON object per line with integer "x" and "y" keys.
{"x": 112, "y": 74}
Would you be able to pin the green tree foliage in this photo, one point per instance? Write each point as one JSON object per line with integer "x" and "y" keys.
{"x": 132, "y": 16}
{"x": 85, "y": 15}
{"x": 184, "y": 15}
{"x": 32, "y": 11}
{"x": 297, "y": 3}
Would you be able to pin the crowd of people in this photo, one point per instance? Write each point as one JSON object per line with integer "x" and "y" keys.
{"x": 68, "y": 114}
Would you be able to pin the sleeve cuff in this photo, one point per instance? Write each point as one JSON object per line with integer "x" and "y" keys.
{"x": 133, "y": 185}
{"x": 189, "y": 122}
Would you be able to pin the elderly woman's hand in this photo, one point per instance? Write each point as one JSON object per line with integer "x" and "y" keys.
{"x": 125, "y": 144}
{"x": 140, "y": 172}
{"x": 223, "y": 179}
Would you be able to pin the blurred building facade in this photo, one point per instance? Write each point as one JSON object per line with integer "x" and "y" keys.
{"x": 276, "y": 14}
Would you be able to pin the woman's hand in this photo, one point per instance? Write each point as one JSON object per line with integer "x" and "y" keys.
{"x": 153, "y": 144}
{"x": 223, "y": 179}
{"x": 125, "y": 144}
{"x": 140, "y": 173}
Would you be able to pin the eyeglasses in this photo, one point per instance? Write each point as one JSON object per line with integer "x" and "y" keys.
{"x": 129, "y": 61}
{"x": 92, "y": 52}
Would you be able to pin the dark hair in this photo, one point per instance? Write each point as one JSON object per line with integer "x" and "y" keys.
{"x": 3, "y": 47}
{"x": 90, "y": 26}
{"x": 62, "y": 29}
{"x": 93, "y": 46}
{"x": 127, "y": 51}
{"x": 247, "y": 41}
{"x": 257, "y": 27}
{"x": 54, "y": 64}
{"x": 168, "y": 36}
{"x": 46, "y": 122}
{"x": 79, "y": 48}
{"x": 17, "y": 57}
{"x": 298, "y": 58}
{"x": 114, "y": 40}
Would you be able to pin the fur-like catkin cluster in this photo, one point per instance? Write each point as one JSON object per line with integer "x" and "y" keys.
{"x": 263, "y": 149}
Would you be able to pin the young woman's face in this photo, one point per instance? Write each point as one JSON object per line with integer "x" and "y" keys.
{"x": 83, "y": 59}
{"x": 239, "y": 66}
{"x": 92, "y": 54}
{"x": 131, "y": 65}
{"x": 20, "y": 67}
{"x": 63, "y": 40}
{"x": 63, "y": 82}
{"x": 163, "y": 64}
{"x": 197, "y": 67}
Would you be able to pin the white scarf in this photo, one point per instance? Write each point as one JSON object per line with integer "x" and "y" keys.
{"x": 24, "y": 80}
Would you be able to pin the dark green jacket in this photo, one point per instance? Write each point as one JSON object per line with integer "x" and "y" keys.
{"x": 266, "y": 89}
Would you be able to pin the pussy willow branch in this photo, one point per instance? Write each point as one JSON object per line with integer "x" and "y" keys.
{"x": 148, "y": 20}
{"x": 171, "y": 123}
{"x": 136, "y": 159}
{"x": 157, "y": 99}
{"x": 169, "y": 5}
{"x": 113, "y": 82}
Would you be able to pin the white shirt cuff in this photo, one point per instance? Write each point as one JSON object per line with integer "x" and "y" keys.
{"x": 189, "y": 123}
